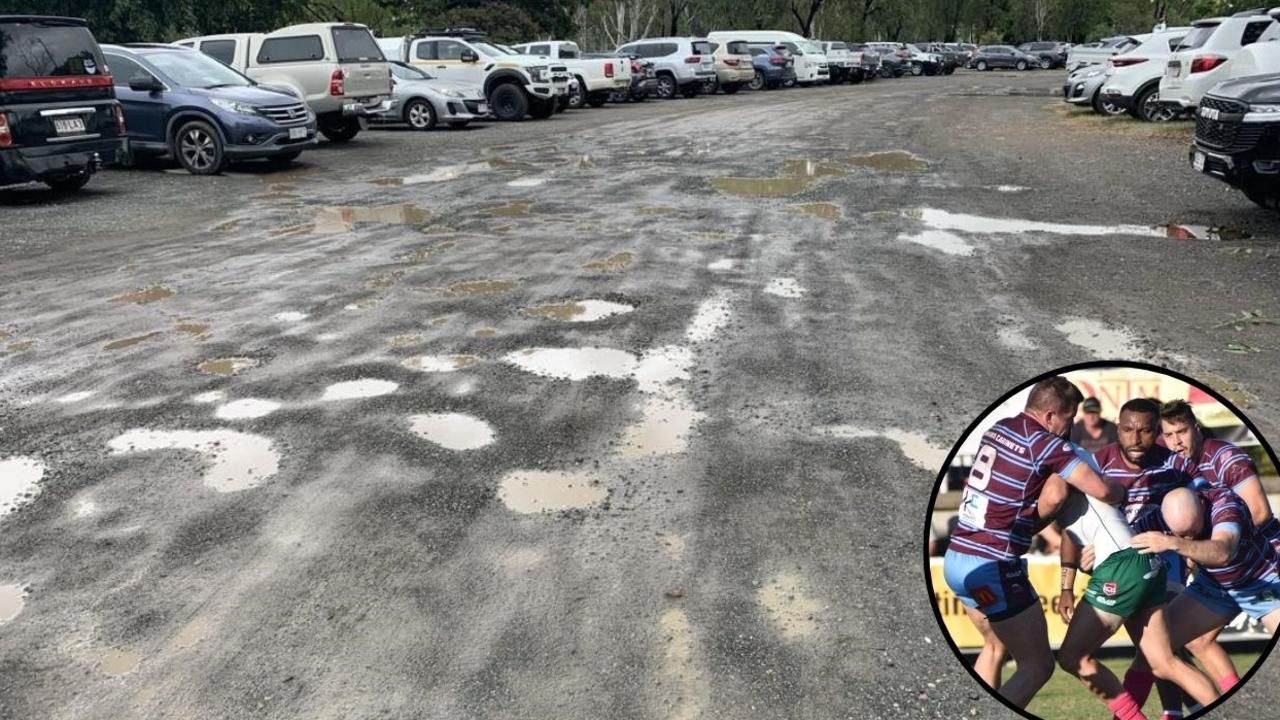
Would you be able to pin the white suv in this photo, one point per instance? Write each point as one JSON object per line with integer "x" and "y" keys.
{"x": 681, "y": 64}
{"x": 1204, "y": 57}
{"x": 336, "y": 68}
{"x": 1134, "y": 81}
{"x": 810, "y": 63}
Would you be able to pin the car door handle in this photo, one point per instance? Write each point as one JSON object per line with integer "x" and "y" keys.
{"x": 441, "y": 67}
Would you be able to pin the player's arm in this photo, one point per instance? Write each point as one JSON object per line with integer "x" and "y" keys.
{"x": 1211, "y": 553}
{"x": 1053, "y": 495}
{"x": 1083, "y": 478}
{"x": 1250, "y": 490}
{"x": 1069, "y": 558}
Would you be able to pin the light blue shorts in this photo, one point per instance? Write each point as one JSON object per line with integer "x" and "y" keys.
{"x": 999, "y": 589}
{"x": 1256, "y": 600}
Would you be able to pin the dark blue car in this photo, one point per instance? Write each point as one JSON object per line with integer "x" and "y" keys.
{"x": 184, "y": 104}
{"x": 774, "y": 67}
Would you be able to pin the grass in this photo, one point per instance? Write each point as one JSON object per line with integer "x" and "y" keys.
{"x": 1064, "y": 698}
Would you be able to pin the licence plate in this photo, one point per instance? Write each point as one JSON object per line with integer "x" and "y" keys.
{"x": 297, "y": 133}
{"x": 68, "y": 125}
{"x": 350, "y": 108}
{"x": 482, "y": 109}
{"x": 1197, "y": 161}
{"x": 1175, "y": 70}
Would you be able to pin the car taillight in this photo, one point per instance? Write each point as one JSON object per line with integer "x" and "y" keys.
{"x": 692, "y": 59}
{"x": 120, "y": 119}
{"x": 336, "y": 84}
{"x": 636, "y": 68}
{"x": 608, "y": 70}
{"x": 1205, "y": 63}
{"x": 6, "y": 137}
{"x": 1126, "y": 61}
{"x": 778, "y": 60}
{"x": 731, "y": 62}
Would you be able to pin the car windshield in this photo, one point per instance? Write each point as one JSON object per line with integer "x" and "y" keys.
{"x": 810, "y": 46}
{"x": 839, "y": 46}
{"x": 43, "y": 50}
{"x": 192, "y": 69}
{"x": 490, "y": 49}
{"x": 408, "y": 72}
{"x": 1197, "y": 37}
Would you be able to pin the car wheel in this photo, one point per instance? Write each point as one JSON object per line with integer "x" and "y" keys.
{"x": 930, "y": 70}
{"x": 459, "y": 124}
{"x": 789, "y": 83}
{"x": 1046, "y": 64}
{"x": 1147, "y": 106}
{"x": 949, "y": 70}
{"x": 980, "y": 65}
{"x": 758, "y": 81}
{"x": 69, "y": 183}
{"x": 855, "y": 78}
{"x": 340, "y": 130}
{"x": 666, "y": 87}
{"x": 1020, "y": 65}
{"x": 597, "y": 100}
{"x": 731, "y": 88}
{"x": 1103, "y": 106}
{"x": 198, "y": 148}
{"x": 691, "y": 90}
{"x": 509, "y": 102}
{"x": 579, "y": 99}
{"x": 917, "y": 69}
{"x": 420, "y": 114}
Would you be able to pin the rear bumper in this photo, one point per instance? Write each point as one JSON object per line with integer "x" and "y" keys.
{"x": 734, "y": 75}
{"x": 29, "y": 164}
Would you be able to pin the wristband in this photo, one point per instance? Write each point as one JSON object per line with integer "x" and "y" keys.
{"x": 1072, "y": 565}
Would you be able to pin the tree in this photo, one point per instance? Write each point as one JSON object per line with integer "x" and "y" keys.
{"x": 811, "y": 8}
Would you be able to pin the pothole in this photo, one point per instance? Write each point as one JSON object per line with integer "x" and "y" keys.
{"x": 577, "y": 310}
{"x": 439, "y": 363}
{"x": 452, "y": 431}
{"x": 784, "y": 288}
{"x": 226, "y": 366}
{"x": 893, "y": 161}
{"x": 574, "y": 363}
{"x": 144, "y": 296}
{"x": 237, "y": 461}
{"x": 12, "y": 601}
{"x": 612, "y": 264}
{"x": 481, "y": 287}
{"x": 246, "y": 409}
{"x": 358, "y": 389}
{"x": 129, "y": 342}
{"x": 793, "y": 612}
{"x": 1104, "y": 342}
{"x": 19, "y": 482}
{"x": 820, "y": 210}
{"x": 536, "y": 491}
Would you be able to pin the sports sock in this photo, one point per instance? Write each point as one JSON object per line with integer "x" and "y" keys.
{"x": 1171, "y": 715}
{"x": 1137, "y": 683}
{"x": 1226, "y": 682}
{"x": 1125, "y": 708}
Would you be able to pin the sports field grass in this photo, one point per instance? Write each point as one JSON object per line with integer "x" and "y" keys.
{"x": 1064, "y": 698}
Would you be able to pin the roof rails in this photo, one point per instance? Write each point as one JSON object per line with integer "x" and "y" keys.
{"x": 170, "y": 46}
{"x": 1250, "y": 13}
{"x": 464, "y": 33}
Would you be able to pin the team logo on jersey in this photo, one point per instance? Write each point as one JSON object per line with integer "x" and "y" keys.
{"x": 1109, "y": 589}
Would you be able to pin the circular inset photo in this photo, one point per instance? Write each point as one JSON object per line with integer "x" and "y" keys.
{"x": 1102, "y": 544}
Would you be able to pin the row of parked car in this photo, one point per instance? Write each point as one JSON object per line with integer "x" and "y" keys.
{"x": 1223, "y": 71}
{"x": 69, "y": 106}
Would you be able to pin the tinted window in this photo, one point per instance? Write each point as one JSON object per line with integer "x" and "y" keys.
{"x": 737, "y": 48}
{"x": 449, "y": 50}
{"x": 839, "y": 46}
{"x": 224, "y": 51}
{"x": 193, "y": 69}
{"x": 568, "y": 52}
{"x": 668, "y": 49}
{"x": 1253, "y": 31}
{"x": 539, "y": 50}
{"x": 355, "y": 44}
{"x": 1197, "y": 37}
{"x": 291, "y": 49}
{"x": 123, "y": 69}
{"x": 42, "y": 50}
{"x": 627, "y": 50}
{"x": 701, "y": 48}
{"x": 408, "y": 72}
{"x": 1174, "y": 42}
{"x": 425, "y": 50}
{"x": 645, "y": 50}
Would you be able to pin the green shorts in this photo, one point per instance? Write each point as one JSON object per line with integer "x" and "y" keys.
{"x": 1127, "y": 583}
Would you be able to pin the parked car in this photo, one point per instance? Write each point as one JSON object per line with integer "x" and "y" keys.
{"x": 1260, "y": 58}
{"x": 773, "y": 66}
{"x": 1238, "y": 137}
{"x": 1133, "y": 83}
{"x": 733, "y": 66}
{"x": 514, "y": 85}
{"x": 952, "y": 55}
{"x": 1203, "y": 58}
{"x": 990, "y": 57}
{"x": 868, "y": 58}
{"x": 1097, "y": 53}
{"x": 683, "y": 65}
{"x": 182, "y": 104}
{"x": 644, "y": 83}
{"x": 810, "y": 64}
{"x": 895, "y": 60}
{"x": 59, "y": 119}
{"x": 924, "y": 62}
{"x": 336, "y": 68}
{"x": 565, "y": 85}
{"x": 422, "y": 101}
{"x": 597, "y": 77}
{"x": 1051, "y": 54}
{"x": 844, "y": 66}
{"x": 1084, "y": 87}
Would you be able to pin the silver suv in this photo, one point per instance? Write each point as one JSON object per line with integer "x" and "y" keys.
{"x": 681, "y": 64}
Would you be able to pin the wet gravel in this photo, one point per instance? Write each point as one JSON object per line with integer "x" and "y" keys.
{"x": 736, "y": 555}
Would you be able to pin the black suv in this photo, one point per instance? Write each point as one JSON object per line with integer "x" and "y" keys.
{"x": 1238, "y": 137}
{"x": 59, "y": 119}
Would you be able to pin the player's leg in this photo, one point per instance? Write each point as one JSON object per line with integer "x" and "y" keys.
{"x": 1271, "y": 621}
{"x": 1215, "y": 659}
{"x": 1196, "y": 612}
{"x": 1090, "y": 628}
{"x": 1151, "y": 633}
{"x": 1026, "y": 636}
{"x": 990, "y": 660}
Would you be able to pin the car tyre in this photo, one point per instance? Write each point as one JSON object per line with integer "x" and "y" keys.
{"x": 1146, "y": 106}
{"x": 691, "y": 90}
{"x": 578, "y": 99}
{"x": 949, "y": 70}
{"x": 509, "y": 103}
{"x": 1046, "y": 64}
{"x": 758, "y": 81}
{"x": 1020, "y": 65}
{"x": 340, "y": 130}
{"x": 598, "y": 100}
{"x": 917, "y": 69}
{"x": 1102, "y": 106}
{"x": 69, "y": 183}
{"x": 419, "y": 114}
{"x": 980, "y": 65}
{"x": 198, "y": 147}
{"x": 666, "y": 86}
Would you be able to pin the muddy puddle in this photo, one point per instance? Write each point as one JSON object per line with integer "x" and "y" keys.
{"x": 145, "y": 296}
{"x": 484, "y": 332}
{"x": 19, "y": 346}
{"x": 784, "y": 287}
{"x": 519, "y": 208}
{"x": 246, "y": 409}
{"x": 612, "y": 264}
{"x": 941, "y": 240}
{"x": 19, "y": 482}
{"x": 712, "y": 315}
{"x": 386, "y": 281}
{"x": 358, "y": 389}
{"x": 191, "y": 634}
{"x": 796, "y": 177}
{"x": 236, "y": 460}
{"x": 12, "y": 601}
{"x": 404, "y": 341}
{"x": 536, "y": 491}
{"x": 117, "y": 663}
{"x": 574, "y": 363}
{"x": 893, "y": 161}
{"x": 978, "y": 224}
{"x": 481, "y": 287}
{"x": 1204, "y": 232}
{"x": 439, "y": 363}
{"x": 129, "y": 342}
{"x": 332, "y": 220}
{"x": 665, "y": 427}
{"x": 820, "y": 210}
{"x": 209, "y": 398}
{"x": 914, "y": 446}
{"x": 1098, "y": 338}
{"x": 289, "y": 316}
{"x": 452, "y": 431}
{"x": 194, "y": 329}
{"x": 810, "y": 169}
{"x": 75, "y": 397}
{"x": 786, "y": 601}
{"x": 577, "y": 310}
{"x": 227, "y": 366}
{"x": 722, "y": 265}
{"x": 527, "y": 182}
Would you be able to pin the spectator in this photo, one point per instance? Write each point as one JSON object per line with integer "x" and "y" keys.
{"x": 1091, "y": 431}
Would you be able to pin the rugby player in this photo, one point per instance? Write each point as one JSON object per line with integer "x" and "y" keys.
{"x": 1238, "y": 570}
{"x": 1126, "y": 588}
{"x": 999, "y": 513}
{"x": 1221, "y": 465}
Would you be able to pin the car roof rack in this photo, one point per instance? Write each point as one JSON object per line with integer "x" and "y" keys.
{"x": 464, "y": 33}
{"x": 169, "y": 46}
{"x": 1250, "y": 13}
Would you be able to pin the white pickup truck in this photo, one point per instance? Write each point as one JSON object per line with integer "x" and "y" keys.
{"x": 597, "y": 77}
{"x": 336, "y": 68}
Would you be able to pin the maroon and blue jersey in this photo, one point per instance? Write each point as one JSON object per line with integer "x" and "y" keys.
{"x": 1224, "y": 465}
{"x": 1254, "y": 558}
{"x": 998, "y": 510}
{"x": 1162, "y": 471}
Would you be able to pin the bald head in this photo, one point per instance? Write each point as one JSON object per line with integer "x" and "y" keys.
{"x": 1183, "y": 512}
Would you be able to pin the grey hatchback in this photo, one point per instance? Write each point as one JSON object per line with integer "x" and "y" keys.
{"x": 1002, "y": 56}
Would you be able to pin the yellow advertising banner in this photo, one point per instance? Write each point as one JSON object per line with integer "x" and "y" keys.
{"x": 1045, "y": 574}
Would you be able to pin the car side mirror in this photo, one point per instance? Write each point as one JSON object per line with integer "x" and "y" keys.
{"x": 470, "y": 56}
{"x": 143, "y": 82}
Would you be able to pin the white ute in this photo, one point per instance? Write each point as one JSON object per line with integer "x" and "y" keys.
{"x": 336, "y": 68}
{"x": 597, "y": 77}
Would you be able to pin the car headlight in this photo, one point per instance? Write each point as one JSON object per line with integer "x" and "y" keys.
{"x": 538, "y": 73}
{"x": 1265, "y": 109}
{"x": 450, "y": 93}
{"x": 235, "y": 107}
